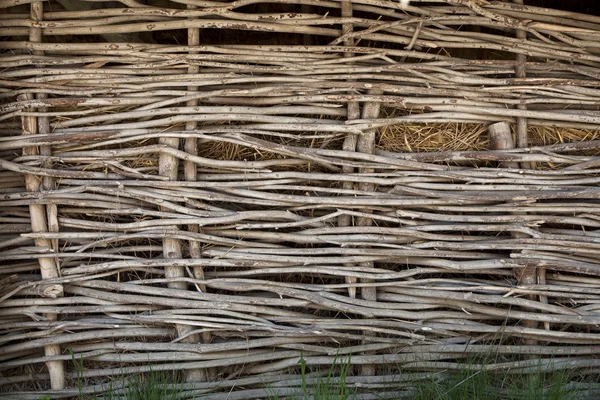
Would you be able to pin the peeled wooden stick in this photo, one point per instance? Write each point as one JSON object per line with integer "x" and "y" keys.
{"x": 190, "y": 171}
{"x": 168, "y": 166}
{"x": 522, "y": 141}
{"x": 521, "y": 74}
{"x": 366, "y": 144}
{"x": 501, "y": 138}
{"x": 39, "y": 223}
{"x": 48, "y": 266}
{"x": 351, "y": 139}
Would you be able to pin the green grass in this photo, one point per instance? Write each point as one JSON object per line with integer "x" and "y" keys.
{"x": 154, "y": 385}
{"x": 150, "y": 386}
{"x": 472, "y": 382}
{"x": 481, "y": 384}
{"x": 328, "y": 387}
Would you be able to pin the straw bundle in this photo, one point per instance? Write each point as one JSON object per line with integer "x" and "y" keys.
{"x": 221, "y": 188}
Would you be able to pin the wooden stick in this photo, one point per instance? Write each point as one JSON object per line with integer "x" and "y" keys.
{"x": 172, "y": 249}
{"x": 351, "y": 140}
{"x": 366, "y": 144}
{"x": 501, "y": 138}
{"x": 39, "y": 222}
{"x": 287, "y": 167}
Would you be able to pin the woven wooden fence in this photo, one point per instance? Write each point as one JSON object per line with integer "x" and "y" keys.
{"x": 223, "y": 188}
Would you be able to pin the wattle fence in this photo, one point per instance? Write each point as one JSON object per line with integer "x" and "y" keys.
{"x": 224, "y": 188}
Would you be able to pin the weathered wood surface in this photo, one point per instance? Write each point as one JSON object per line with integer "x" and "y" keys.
{"x": 223, "y": 208}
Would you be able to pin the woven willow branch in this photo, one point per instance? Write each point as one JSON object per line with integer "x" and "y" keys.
{"x": 211, "y": 191}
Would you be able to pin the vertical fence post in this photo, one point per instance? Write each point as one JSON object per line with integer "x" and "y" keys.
{"x": 351, "y": 139}
{"x": 366, "y": 144}
{"x": 527, "y": 275}
{"x": 168, "y": 166}
{"x": 190, "y": 171}
{"x": 43, "y": 218}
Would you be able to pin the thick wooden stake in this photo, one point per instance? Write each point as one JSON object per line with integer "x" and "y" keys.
{"x": 351, "y": 139}
{"x": 366, "y": 144}
{"x": 43, "y": 219}
{"x": 538, "y": 275}
{"x": 190, "y": 171}
{"x": 172, "y": 249}
{"x": 520, "y": 72}
{"x": 501, "y": 138}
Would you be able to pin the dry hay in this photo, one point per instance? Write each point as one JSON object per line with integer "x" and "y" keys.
{"x": 225, "y": 209}
{"x": 546, "y": 136}
{"x": 418, "y": 138}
